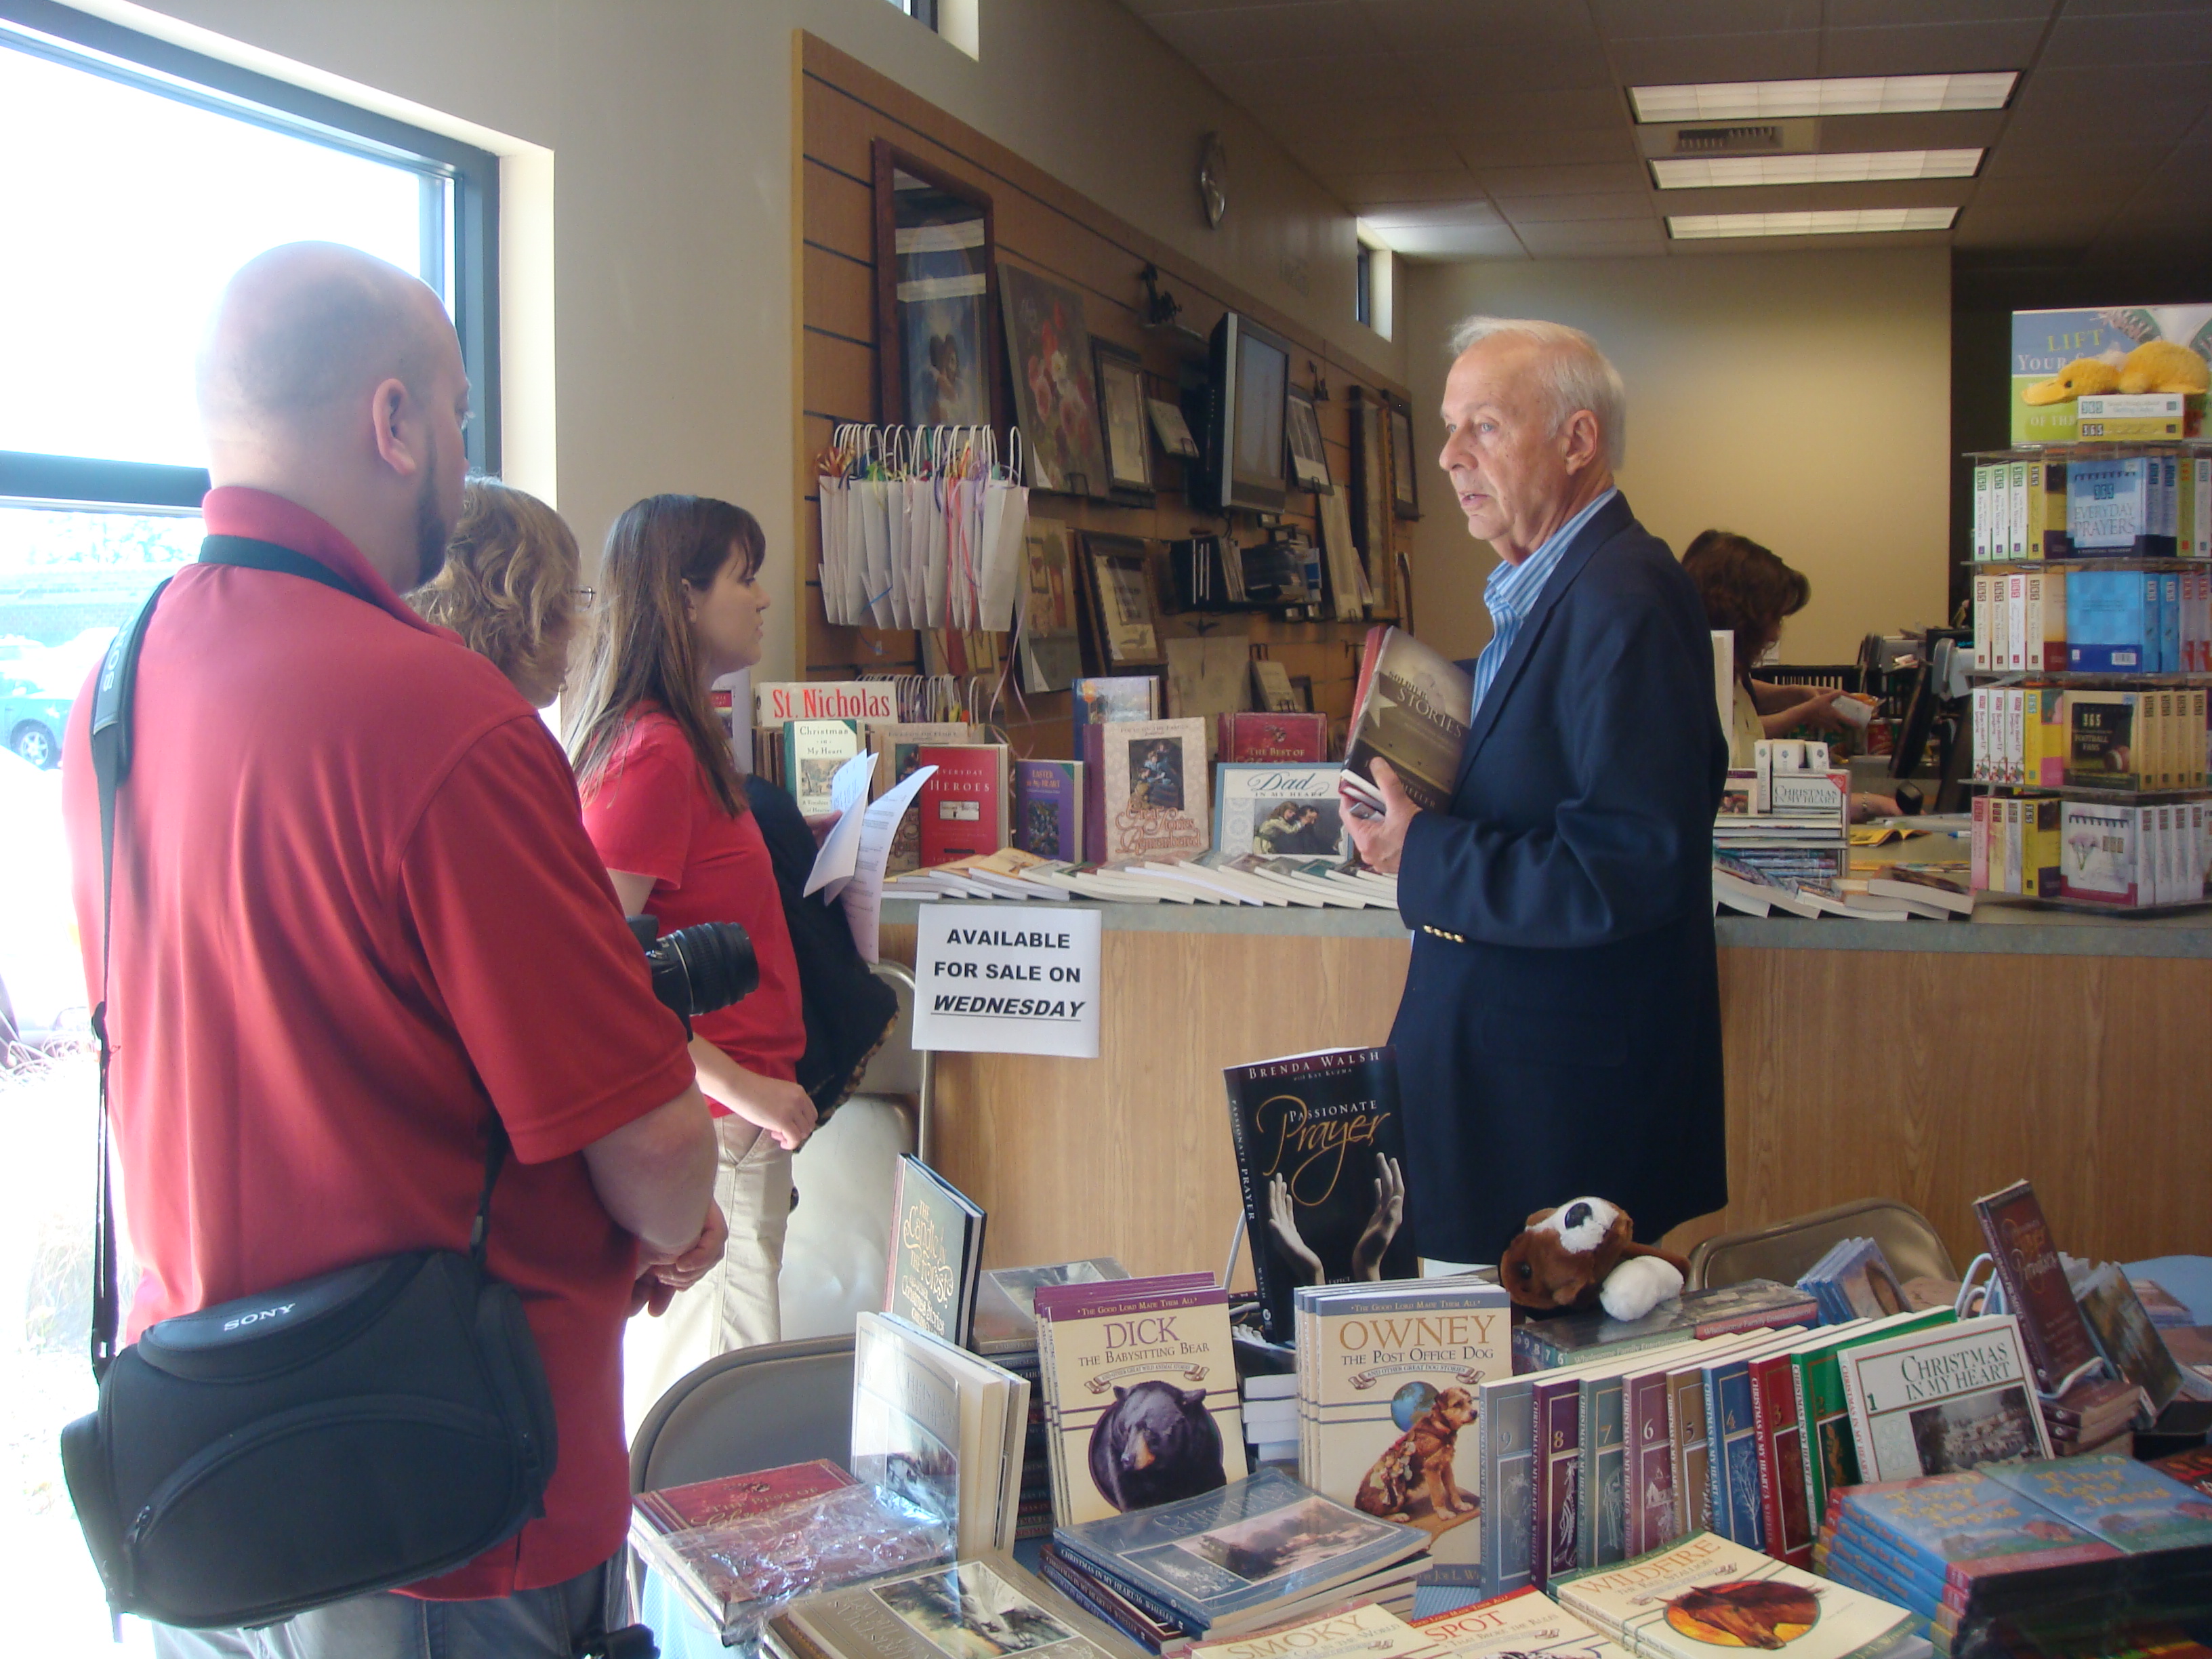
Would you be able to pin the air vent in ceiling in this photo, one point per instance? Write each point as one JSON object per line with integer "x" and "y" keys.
{"x": 1792, "y": 135}
{"x": 1716, "y": 141}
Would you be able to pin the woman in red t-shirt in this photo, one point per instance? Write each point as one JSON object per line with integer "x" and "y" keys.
{"x": 681, "y": 604}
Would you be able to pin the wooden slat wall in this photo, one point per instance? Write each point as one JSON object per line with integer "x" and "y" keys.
{"x": 1933, "y": 1078}
{"x": 1041, "y": 224}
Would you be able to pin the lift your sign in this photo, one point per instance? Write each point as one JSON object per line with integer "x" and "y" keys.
{"x": 994, "y": 980}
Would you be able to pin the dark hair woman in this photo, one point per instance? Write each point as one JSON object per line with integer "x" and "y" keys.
{"x": 1748, "y": 592}
{"x": 680, "y": 606}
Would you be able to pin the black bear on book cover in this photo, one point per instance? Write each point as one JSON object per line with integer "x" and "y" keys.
{"x": 1156, "y": 1443}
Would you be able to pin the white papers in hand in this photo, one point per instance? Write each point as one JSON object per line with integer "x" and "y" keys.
{"x": 863, "y": 895}
{"x": 834, "y": 864}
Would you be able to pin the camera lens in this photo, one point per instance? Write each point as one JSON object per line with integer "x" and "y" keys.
{"x": 698, "y": 970}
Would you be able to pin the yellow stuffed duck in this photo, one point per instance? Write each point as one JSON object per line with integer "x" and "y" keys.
{"x": 2153, "y": 366}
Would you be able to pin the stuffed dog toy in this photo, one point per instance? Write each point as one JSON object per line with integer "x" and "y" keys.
{"x": 1584, "y": 1253}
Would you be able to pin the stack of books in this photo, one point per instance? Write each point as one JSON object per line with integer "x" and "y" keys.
{"x": 1271, "y": 1417}
{"x": 975, "y": 1608}
{"x": 1259, "y": 1552}
{"x": 2079, "y": 1545}
{"x": 941, "y": 1427}
{"x": 736, "y": 1549}
{"x": 1210, "y": 878}
{"x": 1387, "y": 1381}
{"x": 1854, "y": 1281}
{"x": 1781, "y": 833}
{"x": 1754, "y": 1305}
{"x": 1141, "y": 1403}
{"x": 1705, "y": 1593}
{"x": 1005, "y": 1332}
{"x": 1523, "y": 1624}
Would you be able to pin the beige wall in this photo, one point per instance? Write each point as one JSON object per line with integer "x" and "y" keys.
{"x": 1802, "y": 399}
{"x": 667, "y": 127}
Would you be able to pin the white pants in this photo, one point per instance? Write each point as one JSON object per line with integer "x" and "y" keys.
{"x": 735, "y": 1305}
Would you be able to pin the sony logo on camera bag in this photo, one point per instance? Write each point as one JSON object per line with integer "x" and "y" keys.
{"x": 256, "y": 1318}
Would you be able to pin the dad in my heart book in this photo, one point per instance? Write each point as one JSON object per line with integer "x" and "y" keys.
{"x": 1319, "y": 1155}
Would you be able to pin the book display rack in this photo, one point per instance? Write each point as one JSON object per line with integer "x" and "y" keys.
{"x": 2092, "y": 669}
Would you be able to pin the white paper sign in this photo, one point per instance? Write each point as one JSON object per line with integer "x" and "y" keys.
{"x": 863, "y": 895}
{"x": 992, "y": 981}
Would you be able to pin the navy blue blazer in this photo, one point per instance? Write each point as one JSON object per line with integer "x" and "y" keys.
{"x": 1559, "y": 1033}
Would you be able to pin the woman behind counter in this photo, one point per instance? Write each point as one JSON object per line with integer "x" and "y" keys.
{"x": 680, "y": 606}
{"x": 1749, "y": 592}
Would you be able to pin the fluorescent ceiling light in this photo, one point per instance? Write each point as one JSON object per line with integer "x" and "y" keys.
{"x": 1718, "y": 172}
{"x": 1839, "y": 222}
{"x": 1871, "y": 95}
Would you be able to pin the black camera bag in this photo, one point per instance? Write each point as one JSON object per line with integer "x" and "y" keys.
{"x": 354, "y": 1431}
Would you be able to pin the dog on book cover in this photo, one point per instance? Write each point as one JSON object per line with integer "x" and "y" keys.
{"x": 1559, "y": 1030}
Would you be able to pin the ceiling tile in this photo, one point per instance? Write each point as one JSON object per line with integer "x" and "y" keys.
{"x": 1376, "y": 80}
{"x": 1637, "y": 20}
{"x": 1483, "y": 151}
{"x": 1459, "y": 74}
{"x": 2024, "y": 229}
{"x": 1526, "y": 210}
{"x": 1930, "y": 48}
{"x": 1457, "y": 242}
{"x": 1599, "y": 236}
{"x": 1873, "y": 14}
{"x": 1581, "y": 110}
{"x": 2115, "y": 42}
{"x": 1564, "y": 181}
{"x": 1678, "y": 61}
{"x": 1331, "y": 28}
{"x": 1152, "y": 9}
{"x": 1337, "y": 157}
{"x": 2086, "y": 169}
{"x": 1432, "y": 214}
{"x": 1508, "y": 29}
{"x": 2079, "y": 105}
{"x": 1366, "y": 193}
{"x": 1402, "y": 116}
{"x": 2122, "y": 8}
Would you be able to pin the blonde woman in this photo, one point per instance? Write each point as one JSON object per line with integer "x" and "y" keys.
{"x": 508, "y": 588}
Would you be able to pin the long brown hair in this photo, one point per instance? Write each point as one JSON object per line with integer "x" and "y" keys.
{"x": 1747, "y": 590}
{"x": 642, "y": 650}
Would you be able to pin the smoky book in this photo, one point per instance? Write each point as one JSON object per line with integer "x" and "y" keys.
{"x": 1320, "y": 1145}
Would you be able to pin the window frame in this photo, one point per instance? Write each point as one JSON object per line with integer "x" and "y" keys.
{"x": 94, "y": 46}
{"x": 1363, "y": 284}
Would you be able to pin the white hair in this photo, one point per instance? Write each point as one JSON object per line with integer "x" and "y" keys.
{"x": 1574, "y": 374}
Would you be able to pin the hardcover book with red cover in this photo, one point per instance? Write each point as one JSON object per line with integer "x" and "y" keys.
{"x": 963, "y": 808}
{"x": 1788, "y": 1526}
{"x": 2051, "y": 1322}
{"x": 710, "y": 1503}
{"x": 1247, "y": 736}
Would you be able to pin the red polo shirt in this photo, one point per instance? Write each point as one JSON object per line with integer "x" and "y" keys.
{"x": 355, "y": 911}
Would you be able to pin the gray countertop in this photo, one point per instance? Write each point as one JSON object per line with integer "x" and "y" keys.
{"x": 2000, "y": 927}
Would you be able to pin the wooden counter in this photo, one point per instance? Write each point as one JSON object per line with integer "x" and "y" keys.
{"x": 1927, "y": 1061}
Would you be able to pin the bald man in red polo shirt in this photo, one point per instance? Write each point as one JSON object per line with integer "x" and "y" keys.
{"x": 355, "y": 915}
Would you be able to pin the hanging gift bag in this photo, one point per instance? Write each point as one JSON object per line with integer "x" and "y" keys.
{"x": 1005, "y": 521}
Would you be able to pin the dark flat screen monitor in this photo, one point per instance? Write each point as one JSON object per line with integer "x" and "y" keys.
{"x": 1248, "y": 401}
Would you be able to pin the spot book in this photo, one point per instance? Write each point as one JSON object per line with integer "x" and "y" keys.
{"x": 1320, "y": 1145}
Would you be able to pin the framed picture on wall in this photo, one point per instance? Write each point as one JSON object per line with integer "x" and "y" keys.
{"x": 1121, "y": 418}
{"x": 1372, "y": 519}
{"x": 1123, "y": 603}
{"x": 1405, "y": 500}
{"x": 1056, "y": 398}
{"x": 1309, "y": 456}
{"x": 937, "y": 361}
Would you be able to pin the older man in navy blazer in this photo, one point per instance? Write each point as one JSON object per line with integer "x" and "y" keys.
{"x": 1559, "y": 1033}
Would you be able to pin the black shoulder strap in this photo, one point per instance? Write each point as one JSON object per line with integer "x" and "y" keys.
{"x": 112, "y": 737}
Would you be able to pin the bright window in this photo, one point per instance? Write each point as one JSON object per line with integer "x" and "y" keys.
{"x": 138, "y": 177}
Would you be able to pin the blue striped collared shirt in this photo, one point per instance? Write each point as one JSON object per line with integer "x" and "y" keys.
{"x": 1512, "y": 590}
